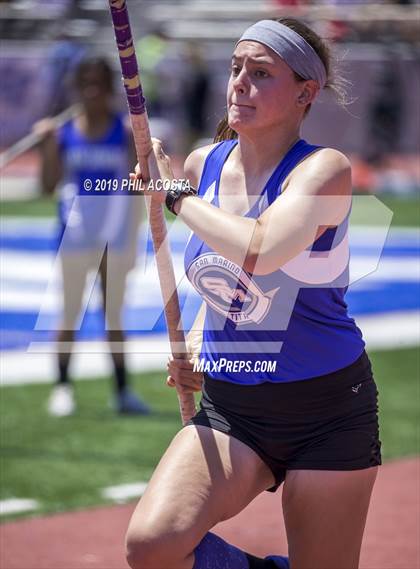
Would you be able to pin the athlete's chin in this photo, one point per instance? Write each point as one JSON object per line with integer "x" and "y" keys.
{"x": 239, "y": 124}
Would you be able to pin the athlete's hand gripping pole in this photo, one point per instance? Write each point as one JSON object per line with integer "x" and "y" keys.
{"x": 143, "y": 144}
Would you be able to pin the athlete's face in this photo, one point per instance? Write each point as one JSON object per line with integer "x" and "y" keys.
{"x": 93, "y": 89}
{"x": 262, "y": 91}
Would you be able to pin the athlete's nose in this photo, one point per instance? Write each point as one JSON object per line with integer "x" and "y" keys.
{"x": 241, "y": 83}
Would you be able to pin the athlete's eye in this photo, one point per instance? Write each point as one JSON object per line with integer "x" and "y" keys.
{"x": 261, "y": 73}
{"x": 235, "y": 70}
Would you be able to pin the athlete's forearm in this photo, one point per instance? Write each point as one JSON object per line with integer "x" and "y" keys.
{"x": 259, "y": 245}
{"x": 228, "y": 234}
{"x": 51, "y": 170}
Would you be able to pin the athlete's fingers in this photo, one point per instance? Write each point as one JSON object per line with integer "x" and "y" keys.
{"x": 159, "y": 163}
{"x": 137, "y": 173}
{"x": 181, "y": 375}
{"x": 44, "y": 127}
{"x": 185, "y": 374}
{"x": 184, "y": 387}
{"x": 170, "y": 382}
{"x": 191, "y": 381}
{"x": 182, "y": 372}
{"x": 159, "y": 154}
{"x": 180, "y": 363}
{"x": 157, "y": 146}
{"x": 180, "y": 367}
{"x": 158, "y": 150}
{"x": 189, "y": 378}
{"x": 193, "y": 388}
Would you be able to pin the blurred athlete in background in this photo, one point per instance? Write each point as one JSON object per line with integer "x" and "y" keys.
{"x": 98, "y": 231}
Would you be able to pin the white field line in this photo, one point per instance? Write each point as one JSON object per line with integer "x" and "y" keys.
{"x": 391, "y": 330}
{"x": 16, "y": 505}
{"x": 46, "y": 299}
{"x": 149, "y": 353}
{"x": 91, "y": 360}
{"x": 124, "y": 492}
{"x": 33, "y": 282}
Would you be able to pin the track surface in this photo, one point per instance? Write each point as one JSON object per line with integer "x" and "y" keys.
{"x": 93, "y": 539}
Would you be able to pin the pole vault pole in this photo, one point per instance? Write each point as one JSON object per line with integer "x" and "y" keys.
{"x": 34, "y": 138}
{"x": 143, "y": 144}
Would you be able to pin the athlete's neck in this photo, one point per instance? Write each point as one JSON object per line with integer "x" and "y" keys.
{"x": 94, "y": 124}
{"x": 263, "y": 151}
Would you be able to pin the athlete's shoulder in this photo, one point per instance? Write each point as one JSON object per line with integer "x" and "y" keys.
{"x": 194, "y": 164}
{"x": 331, "y": 158}
{"x": 66, "y": 128}
{"x": 326, "y": 170}
{"x": 64, "y": 135}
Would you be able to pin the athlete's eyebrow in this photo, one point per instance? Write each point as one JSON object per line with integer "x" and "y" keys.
{"x": 259, "y": 60}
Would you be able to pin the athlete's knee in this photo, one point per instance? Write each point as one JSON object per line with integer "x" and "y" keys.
{"x": 151, "y": 549}
{"x": 141, "y": 550}
{"x": 65, "y": 335}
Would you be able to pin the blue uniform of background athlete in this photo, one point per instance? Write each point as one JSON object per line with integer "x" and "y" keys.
{"x": 86, "y": 160}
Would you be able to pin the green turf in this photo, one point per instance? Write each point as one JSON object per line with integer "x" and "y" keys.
{"x": 406, "y": 211}
{"x": 397, "y": 374}
{"x": 40, "y": 207}
{"x": 64, "y": 463}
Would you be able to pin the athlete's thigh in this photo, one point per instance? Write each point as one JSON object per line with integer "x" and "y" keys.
{"x": 325, "y": 514}
{"x": 75, "y": 268}
{"x": 204, "y": 477}
{"x": 114, "y": 269}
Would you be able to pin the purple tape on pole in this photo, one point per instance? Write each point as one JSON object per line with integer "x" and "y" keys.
{"x": 136, "y": 102}
{"x": 124, "y": 38}
{"x": 119, "y": 13}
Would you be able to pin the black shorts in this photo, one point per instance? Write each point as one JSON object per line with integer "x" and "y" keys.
{"x": 328, "y": 422}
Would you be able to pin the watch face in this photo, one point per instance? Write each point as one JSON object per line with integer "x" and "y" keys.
{"x": 171, "y": 197}
{"x": 181, "y": 187}
{"x": 185, "y": 187}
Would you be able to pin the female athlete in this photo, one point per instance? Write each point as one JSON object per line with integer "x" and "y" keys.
{"x": 98, "y": 231}
{"x": 287, "y": 389}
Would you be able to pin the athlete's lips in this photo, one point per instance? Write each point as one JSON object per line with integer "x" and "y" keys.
{"x": 241, "y": 106}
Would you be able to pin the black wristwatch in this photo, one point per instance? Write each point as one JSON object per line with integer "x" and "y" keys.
{"x": 178, "y": 189}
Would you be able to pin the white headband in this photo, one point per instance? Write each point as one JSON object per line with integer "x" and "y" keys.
{"x": 290, "y": 46}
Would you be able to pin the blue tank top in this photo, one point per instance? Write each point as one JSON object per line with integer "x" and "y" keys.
{"x": 269, "y": 327}
{"x": 91, "y": 219}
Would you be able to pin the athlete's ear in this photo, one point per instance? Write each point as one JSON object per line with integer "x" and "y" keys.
{"x": 308, "y": 93}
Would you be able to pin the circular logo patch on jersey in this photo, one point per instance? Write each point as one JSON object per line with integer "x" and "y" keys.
{"x": 230, "y": 290}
